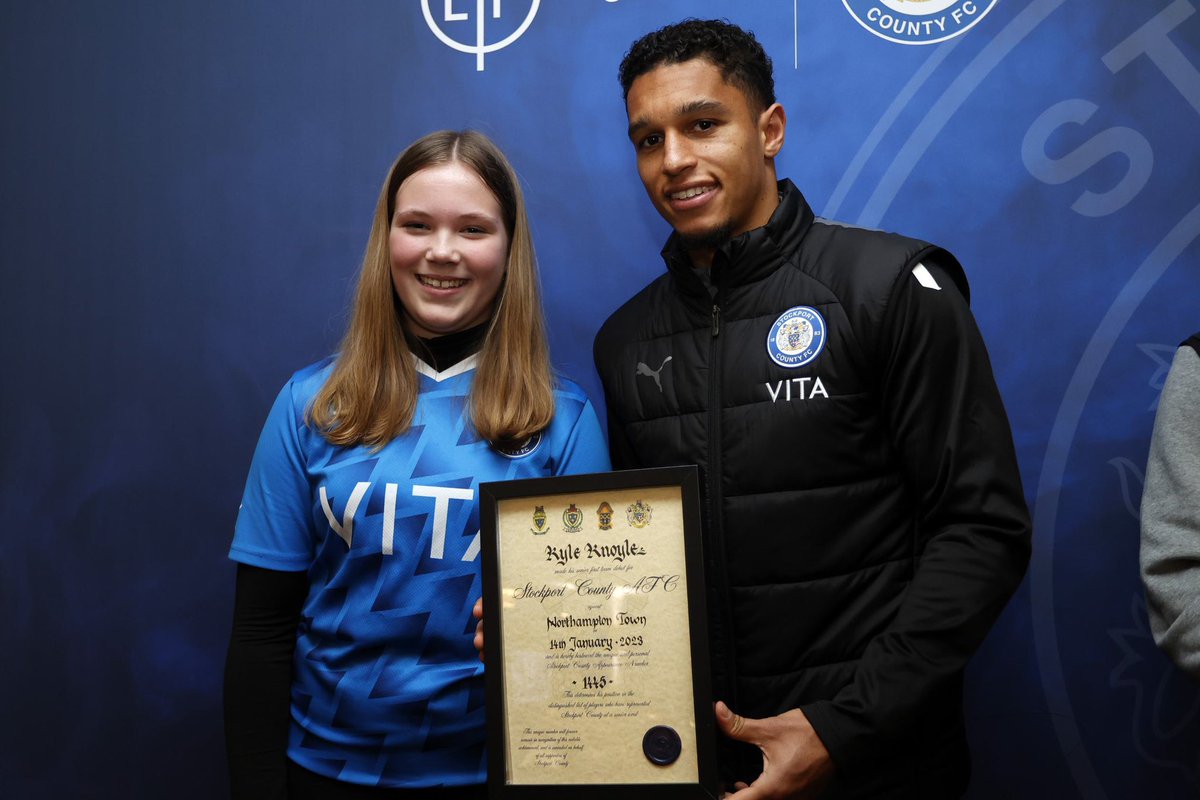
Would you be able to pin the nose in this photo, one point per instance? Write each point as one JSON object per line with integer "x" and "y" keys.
{"x": 677, "y": 154}
{"x": 442, "y": 249}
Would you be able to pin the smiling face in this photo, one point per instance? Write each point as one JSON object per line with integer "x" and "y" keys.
{"x": 448, "y": 248}
{"x": 704, "y": 154}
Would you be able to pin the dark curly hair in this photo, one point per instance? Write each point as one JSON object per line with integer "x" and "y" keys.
{"x": 739, "y": 56}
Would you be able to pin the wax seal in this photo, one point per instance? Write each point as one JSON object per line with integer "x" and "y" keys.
{"x": 661, "y": 745}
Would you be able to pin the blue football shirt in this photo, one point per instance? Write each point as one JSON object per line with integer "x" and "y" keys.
{"x": 387, "y": 688}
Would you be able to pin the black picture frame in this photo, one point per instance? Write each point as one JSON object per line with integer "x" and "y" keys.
{"x": 492, "y": 495}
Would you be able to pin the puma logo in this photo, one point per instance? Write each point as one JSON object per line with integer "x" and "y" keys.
{"x": 642, "y": 369}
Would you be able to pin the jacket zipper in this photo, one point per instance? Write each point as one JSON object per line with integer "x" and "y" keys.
{"x": 716, "y": 529}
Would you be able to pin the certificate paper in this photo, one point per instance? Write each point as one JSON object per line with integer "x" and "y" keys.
{"x": 590, "y": 597}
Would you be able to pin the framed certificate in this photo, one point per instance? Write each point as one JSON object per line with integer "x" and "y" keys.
{"x": 594, "y": 637}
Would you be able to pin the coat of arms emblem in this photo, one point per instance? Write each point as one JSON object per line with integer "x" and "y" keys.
{"x": 638, "y": 514}
{"x": 604, "y": 513}
{"x": 539, "y": 520}
{"x": 572, "y": 519}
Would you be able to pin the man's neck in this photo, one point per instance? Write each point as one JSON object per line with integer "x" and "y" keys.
{"x": 702, "y": 250}
{"x": 702, "y": 257}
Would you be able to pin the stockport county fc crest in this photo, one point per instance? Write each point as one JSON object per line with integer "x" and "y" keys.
{"x": 638, "y": 514}
{"x": 797, "y": 337}
{"x": 918, "y": 21}
{"x": 572, "y": 519}
{"x": 518, "y": 449}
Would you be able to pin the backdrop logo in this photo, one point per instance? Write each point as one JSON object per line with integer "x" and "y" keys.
{"x": 480, "y": 46}
{"x": 918, "y": 21}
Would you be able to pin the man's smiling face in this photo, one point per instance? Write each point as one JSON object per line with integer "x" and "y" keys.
{"x": 703, "y": 153}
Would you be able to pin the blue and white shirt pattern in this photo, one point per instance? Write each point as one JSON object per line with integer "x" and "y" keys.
{"x": 387, "y": 688}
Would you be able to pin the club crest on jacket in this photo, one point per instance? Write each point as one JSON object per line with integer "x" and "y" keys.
{"x": 797, "y": 337}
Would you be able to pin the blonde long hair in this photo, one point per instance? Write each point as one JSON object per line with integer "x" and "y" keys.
{"x": 371, "y": 396}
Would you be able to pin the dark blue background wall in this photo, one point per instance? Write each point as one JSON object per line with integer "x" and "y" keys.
{"x": 185, "y": 192}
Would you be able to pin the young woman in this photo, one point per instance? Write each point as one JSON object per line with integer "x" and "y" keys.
{"x": 351, "y": 669}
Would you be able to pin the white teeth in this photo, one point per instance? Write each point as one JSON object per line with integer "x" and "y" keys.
{"x": 689, "y": 193}
{"x": 440, "y": 283}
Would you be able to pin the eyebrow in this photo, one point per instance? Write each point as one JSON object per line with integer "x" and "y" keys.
{"x": 464, "y": 217}
{"x": 481, "y": 216}
{"x": 684, "y": 110}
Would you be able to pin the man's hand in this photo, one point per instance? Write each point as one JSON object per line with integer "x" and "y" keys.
{"x": 477, "y": 612}
{"x": 795, "y": 761}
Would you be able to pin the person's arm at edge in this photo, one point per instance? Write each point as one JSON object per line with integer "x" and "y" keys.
{"x": 1170, "y": 542}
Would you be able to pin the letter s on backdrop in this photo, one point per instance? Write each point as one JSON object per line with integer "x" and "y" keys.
{"x": 1104, "y": 144}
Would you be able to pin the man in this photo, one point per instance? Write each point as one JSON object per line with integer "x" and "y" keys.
{"x": 1171, "y": 514}
{"x": 864, "y": 518}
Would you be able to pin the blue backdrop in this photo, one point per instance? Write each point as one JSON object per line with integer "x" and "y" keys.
{"x": 186, "y": 190}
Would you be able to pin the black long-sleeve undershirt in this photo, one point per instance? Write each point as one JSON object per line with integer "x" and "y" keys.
{"x": 258, "y": 680}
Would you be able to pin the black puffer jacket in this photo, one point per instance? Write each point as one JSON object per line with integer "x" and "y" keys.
{"x": 864, "y": 518}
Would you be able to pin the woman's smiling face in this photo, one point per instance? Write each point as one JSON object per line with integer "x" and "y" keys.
{"x": 449, "y": 249}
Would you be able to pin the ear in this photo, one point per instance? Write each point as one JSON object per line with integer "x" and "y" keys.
{"x": 772, "y": 126}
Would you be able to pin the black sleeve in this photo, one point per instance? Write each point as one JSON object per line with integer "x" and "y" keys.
{"x": 951, "y": 433}
{"x": 258, "y": 678}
